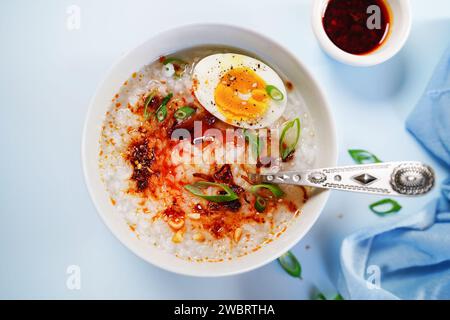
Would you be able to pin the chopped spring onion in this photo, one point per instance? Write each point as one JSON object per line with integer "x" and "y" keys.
{"x": 394, "y": 207}
{"x": 277, "y": 192}
{"x": 177, "y": 65}
{"x": 363, "y": 156}
{"x": 289, "y": 137}
{"x": 196, "y": 189}
{"x": 260, "y": 204}
{"x": 169, "y": 70}
{"x": 290, "y": 264}
{"x": 173, "y": 60}
{"x": 183, "y": 112}
{"x": 161, "y": 113}
{"x": 274, "y": 93}
{"x": 146, "y": 103}
{"x": 321, "y": 296}
{"x": 255, "y": 142}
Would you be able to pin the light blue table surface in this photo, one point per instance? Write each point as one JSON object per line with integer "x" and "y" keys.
{"x": 48, "y": 75}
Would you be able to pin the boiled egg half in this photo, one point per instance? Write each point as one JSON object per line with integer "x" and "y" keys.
{"x": 239, "y": 90}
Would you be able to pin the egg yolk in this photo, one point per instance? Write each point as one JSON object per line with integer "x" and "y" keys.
{"x": 241, "y": 95}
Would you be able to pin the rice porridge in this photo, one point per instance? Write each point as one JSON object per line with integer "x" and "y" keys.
{"x": 171, "y": 170}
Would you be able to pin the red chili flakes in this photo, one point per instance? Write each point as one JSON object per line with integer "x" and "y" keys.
{"x": 233, "y": 206}
{"x": 173, "y": 213}
{"x": 141, "y": 158}
{"x": 217, "y": 227}
{"x": 224, "y": 175}
{"x": 198, "y": 208}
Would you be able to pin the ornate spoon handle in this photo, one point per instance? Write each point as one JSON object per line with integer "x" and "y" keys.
{"x": 387, "y": 178}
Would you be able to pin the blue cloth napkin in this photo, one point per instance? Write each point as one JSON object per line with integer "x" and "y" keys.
{"x": 410, "y": 254}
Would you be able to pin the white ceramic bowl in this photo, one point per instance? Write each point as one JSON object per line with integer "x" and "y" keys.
{"x": 181, "y": 38}
{"x": 399, "y": 31}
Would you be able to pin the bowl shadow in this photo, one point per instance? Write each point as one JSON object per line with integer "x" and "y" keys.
{"x": 380, "y": 82}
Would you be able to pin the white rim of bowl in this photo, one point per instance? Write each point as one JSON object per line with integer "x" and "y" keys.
{"x": 371, "y": 59}
{"x": 126, "y": 240}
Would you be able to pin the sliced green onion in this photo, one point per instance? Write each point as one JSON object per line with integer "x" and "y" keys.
{"x": 274, "y": 93}
{"x": 260, "y": 204}
{"x": 173, "y": 60}
{"x": 363, "y": 156}
{"x": 146, "y": 103}
{"x": 320, "y": 296}
{"x": 290, "y": 264}
{"x": 196, "y": 189}
{"x": 289, "y": 137}
{"x": 183, "y": 112}
{"x": 161, "y": 113}
{"x": 277, "y": 192}
{"x": 394, "y": 207}
{"x": 255, "y": 142}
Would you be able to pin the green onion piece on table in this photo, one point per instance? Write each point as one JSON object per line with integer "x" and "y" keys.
{"x": 394, "y": 207}
{"x": 320, "y": 296}
{"x": 290, "y": 264}
{"x": 363, "y": 156}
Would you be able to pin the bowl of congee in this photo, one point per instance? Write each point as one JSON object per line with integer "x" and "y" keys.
{"x": 174, "y": 132}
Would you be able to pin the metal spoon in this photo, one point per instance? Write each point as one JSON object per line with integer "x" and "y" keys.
{"x": 408, "y": 178}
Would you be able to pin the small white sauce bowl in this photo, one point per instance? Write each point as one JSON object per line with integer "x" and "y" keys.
{"x": 400, "y": 26}
{"x": 175, "y": 40}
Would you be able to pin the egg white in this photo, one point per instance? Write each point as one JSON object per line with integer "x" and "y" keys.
{"x": 210, "y": 70}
